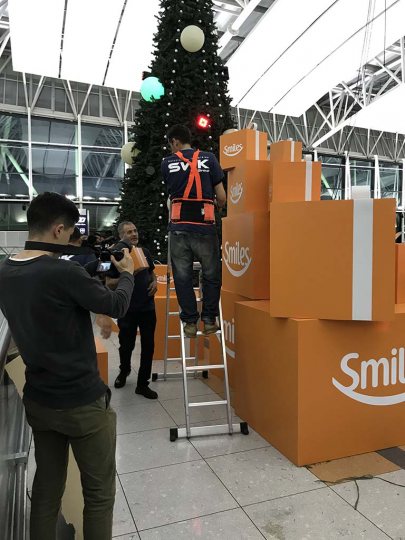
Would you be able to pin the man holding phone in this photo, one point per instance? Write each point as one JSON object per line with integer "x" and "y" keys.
{"x": 141, "y": 314}
{"x": 47, "y": 303}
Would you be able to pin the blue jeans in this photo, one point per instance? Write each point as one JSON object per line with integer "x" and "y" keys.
{"x": 185, "y": 248}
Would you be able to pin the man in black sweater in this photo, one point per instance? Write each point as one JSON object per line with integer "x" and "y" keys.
{"x": 141, "y": 314}
{"x": 47, "y": 302}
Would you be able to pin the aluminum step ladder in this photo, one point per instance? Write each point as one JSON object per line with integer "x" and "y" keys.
{"x": 229, "y": 427}
{"x": 166, "y": 374}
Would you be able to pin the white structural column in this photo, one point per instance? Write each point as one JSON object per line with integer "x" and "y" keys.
{"x": 348, "y": 180}
{"x": 377, "y": 179}
{"x": 79, "y": 178}
{"x": 30, "y": 184}
{"x": 403, "y": 185}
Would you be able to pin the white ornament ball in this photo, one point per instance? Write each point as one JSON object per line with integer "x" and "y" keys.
{"x": 128, "y": 153}
{"x": 192, "y": 38}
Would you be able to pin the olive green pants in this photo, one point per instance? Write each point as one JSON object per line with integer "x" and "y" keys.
{"x": 91, "y": 432}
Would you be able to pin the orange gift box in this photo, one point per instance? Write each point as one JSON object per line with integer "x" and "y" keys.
{"x": 286, "y": 151}
{"x": 298, "y": 181}
{"x": 245, "y": 255}
{"x": 139, "y": 259}
{"x": 320, "y": 390}
{"x": 102, "y": 360}
{"x": 248, "y": 185}
{"x": 237, "y": 147}
{"x": 400, "y": 274}
{"x": 333, "y": 259}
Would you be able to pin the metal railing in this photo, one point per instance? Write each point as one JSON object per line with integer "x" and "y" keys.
{"x": 14, "y": 445}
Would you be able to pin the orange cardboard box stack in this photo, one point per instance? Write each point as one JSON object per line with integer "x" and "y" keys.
{"x": 319, "y": 353}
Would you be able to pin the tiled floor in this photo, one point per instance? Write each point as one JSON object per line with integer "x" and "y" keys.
{"x": 229, "y": 488}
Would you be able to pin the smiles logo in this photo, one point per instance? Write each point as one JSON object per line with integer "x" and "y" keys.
{"x": 236, "y": 192}
{"x": 233, "y": 150}
{"x": 382, "y": 372}
{"x": 237, "y": 256}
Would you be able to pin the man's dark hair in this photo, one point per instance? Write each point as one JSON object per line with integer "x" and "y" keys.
{"x": 182, "y": 133}
{"x": 76, "y": 235}
{"x": 49, "y": 208}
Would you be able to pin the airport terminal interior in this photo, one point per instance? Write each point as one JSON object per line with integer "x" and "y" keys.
{"x": 286, "y": 420}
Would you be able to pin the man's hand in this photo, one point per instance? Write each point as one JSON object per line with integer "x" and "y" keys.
{"x": 124, "y": 265}
{"x": 152, "y": 289}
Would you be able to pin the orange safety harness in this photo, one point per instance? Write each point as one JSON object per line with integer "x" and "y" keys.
{"x": 194, "y": 210}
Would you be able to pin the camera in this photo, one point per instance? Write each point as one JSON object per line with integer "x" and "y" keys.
{"x": 104, "y": 259}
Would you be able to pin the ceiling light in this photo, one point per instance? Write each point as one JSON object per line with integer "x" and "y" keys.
{"x": 384, "y": 113}
{"x": 88, "y": 198}
{"x": 126, "y": 67}
{"x": 90, "y": 28}
{"x": 341, "y": 64}
{"x": 268, "y": 40}
{"x": 103, "y": 199}
{"x": 35, "y": 42}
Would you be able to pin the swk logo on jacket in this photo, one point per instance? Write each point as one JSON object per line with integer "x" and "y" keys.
{"x": 237, "y": 256}
{"x": 373, "y": 373}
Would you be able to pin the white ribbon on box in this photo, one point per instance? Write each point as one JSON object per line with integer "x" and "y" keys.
{"x": 362, "y": 293}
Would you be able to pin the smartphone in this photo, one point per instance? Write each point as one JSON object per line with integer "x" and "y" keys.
{"x": 103, "y": 266}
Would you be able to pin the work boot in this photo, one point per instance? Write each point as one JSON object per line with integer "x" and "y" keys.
{"x": 190, "y": 330}
{"x": 210, "y": 327}
{"x": 121, "y": 380}
{"x": 145, "y": 391}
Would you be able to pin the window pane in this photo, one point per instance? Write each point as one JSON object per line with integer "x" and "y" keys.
{"x": 102, "y": 174}
{"x": 361, "y": 176}
{"x": 333, "y": 160}
{"x": 332, "y": 182}
{"x": 13, "y": 170}
{"x": 101, "y": 136}
{"x": 102, "y": 216}
{"x": 53, "y": 131}
{"x": 13, "y": 127}
{"x": 13, "y": 217}
{"x": 389, "y": 178}
{"x": 54, "y": 169}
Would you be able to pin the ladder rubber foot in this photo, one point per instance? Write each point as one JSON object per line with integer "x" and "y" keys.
{"x": 205, "y": 374}
{"x": 154, "y": 377}
{"x": 244, "y": 428}
{"x": 173, "y": 434}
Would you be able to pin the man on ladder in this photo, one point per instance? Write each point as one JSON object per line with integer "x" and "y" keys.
{"x": 194, "y": 183}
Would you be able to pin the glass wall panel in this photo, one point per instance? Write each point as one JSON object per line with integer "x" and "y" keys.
{"x": 13, "y": 127}
{"x": 54, "y": 169}
{"x": 362, "y": 174}
{"x": 14, "y": 176}
{"x": 390, "y": 180}
{"x": 93, "y": 135}
{"x": 53, "y": 131}
{"x": 102, "y": 217}
{"x": 333, "y": 174}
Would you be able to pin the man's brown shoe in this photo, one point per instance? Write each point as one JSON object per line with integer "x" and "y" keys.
{"x": 190, "y": 330}
{"x": 210, "y": 328}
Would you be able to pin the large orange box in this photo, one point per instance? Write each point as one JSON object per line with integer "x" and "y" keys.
{"x": 297, "y": 181}
{"x": 213, "y": 343}
{"x": 286, "y": 151}
{"x": 245, "y": 255}
{"x": 320, "y": 390}
{"x": 333, "y": 259}
{"x": 237, "y": 147}
{"x": 400, "y": 274}
{"x": 248, "y": 186}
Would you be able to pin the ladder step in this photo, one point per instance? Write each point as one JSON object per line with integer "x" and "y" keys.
{"x": 174, "y": 312}
{"x": 207, "y": 403}
{"x": 199, "y": 333}
{"x": 173, "y": 337}
{"x": 180, "y": 359}
{"x": 205, "y": 368}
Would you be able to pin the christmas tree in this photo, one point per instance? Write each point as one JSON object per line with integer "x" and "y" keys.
{"x": 195, "y": 85}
